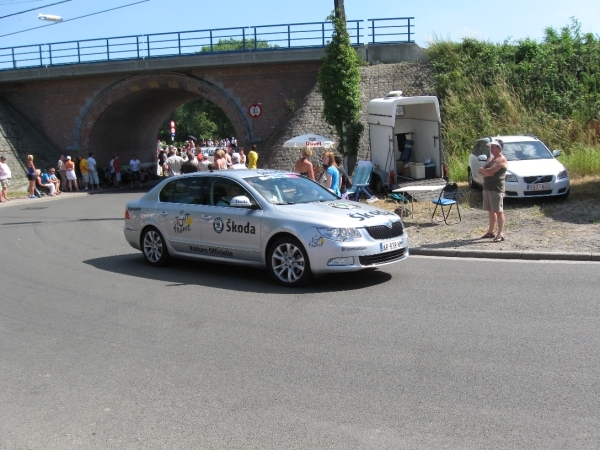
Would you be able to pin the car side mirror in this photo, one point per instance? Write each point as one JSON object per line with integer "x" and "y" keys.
{"x": 482, "y": 158}
{"x": 241, "y": 201}
{"x": 556, "y": 153}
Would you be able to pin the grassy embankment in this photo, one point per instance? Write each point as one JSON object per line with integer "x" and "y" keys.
{"x": 549, "y": 89}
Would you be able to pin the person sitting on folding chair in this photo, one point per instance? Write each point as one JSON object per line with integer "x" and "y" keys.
{"x": 44, "y": 187}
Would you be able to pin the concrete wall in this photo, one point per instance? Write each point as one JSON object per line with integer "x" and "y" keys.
{"x": 18, "y": 138}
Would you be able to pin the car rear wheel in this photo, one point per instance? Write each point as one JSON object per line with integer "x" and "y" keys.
{"x": 472, "y": 183}
{"x": 154, "y": 248}
{"x": 377, "y": 184}
{"x": 288, "y": 262}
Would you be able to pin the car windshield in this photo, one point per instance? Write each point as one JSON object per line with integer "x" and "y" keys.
{"x": 522, "y": 151}
{"x": 289, "y": 188}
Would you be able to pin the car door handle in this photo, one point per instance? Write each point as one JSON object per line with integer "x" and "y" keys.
{"x": 164, "y": 213}
{"x": 206, "y": 217}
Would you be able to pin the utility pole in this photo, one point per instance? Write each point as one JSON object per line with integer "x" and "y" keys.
{"x": 339, "y": 8}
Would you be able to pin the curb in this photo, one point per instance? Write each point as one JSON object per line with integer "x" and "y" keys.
{"x": 534, "y": 256}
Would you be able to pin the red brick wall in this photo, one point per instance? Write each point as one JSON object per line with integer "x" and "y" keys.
{"x": 121, "y": 114}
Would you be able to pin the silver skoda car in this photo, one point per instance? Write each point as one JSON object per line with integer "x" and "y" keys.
{"x": 286, "y": 223}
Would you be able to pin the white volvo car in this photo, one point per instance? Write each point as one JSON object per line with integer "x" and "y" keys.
{"x": 284, "y": 222}
{"x": 533, "y": 170}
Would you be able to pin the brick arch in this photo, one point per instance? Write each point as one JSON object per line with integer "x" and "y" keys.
{"x": 125, "y": 117}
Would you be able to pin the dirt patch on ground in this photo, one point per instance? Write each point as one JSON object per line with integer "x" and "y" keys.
{"x": 544, "y": 225}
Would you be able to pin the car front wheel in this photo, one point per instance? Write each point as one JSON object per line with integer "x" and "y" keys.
{"x": 288, "y": 262}
{"x": 154, "y": 248}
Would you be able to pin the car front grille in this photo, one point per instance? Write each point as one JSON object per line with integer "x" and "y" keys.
{"x": 534, "y": 179}
{"x": 381, "y": 232}
{"x": 534, "y": 193}
{"x": 381, "y": 258}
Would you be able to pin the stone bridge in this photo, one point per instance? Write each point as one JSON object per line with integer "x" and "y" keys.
{"x": 118, "y": 107}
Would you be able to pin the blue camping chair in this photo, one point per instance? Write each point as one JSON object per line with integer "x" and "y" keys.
{"x": 360, "y": 180}
{"x": 447, "y": 198}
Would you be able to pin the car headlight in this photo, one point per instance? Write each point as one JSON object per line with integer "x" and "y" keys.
{"x": 562, "y": 174}
{"x": 511, "y": 178}
{"x": 339, "y": 234}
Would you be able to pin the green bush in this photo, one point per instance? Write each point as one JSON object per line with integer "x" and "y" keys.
{"x": 547, "y": 89}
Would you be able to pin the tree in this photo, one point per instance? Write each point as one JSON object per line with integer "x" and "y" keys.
{"x": 231, "y": 44}
{"x": 200, "y": 118}
{"x": 338, "y": 84}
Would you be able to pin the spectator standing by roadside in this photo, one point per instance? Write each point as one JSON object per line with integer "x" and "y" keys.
{"x": 78, "y": 172}
{"x": 116, "y": 167}
{"x": 242, "y": 156}
{"x": 85, "y": 172}
{"x": 194, "y": 160}
{"x": 303, "y": 165}
{"x": 93, "y": 172}
{"x": 220, "y": 162}
{"x": 162, "y": 163}
{"x": 31, "y": 176}
{"x": 494, "y": 176}
{"x": 236, "y": 164}
{"x": 252, "y": 158}
{"x": 174, "y": 162}
{"x": 5, "y": 177}
{"x": 191, "y": 165}
{"x": 62, "y": 172}
{"x": 228, "y": 154}
{"x": 343, "y": 176}
{"x": 332, "y": 174}
{"x": 134, "y": 167}
{"x": 71, "y": 177}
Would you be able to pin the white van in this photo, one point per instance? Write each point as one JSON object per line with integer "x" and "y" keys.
{"x": 405, "y": 136}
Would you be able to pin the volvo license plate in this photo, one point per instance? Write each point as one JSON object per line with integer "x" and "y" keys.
{"x": 538, "y": 187}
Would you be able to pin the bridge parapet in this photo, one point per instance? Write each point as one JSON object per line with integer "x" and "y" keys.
{"x": 262, "y": 38}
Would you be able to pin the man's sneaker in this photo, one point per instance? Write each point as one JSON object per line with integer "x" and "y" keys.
{"x": 85, "y": 189}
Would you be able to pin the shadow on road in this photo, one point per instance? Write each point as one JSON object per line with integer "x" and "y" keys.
{"x": 231, "y": 277}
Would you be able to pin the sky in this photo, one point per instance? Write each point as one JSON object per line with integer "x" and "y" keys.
{"x": 433, "y": 19}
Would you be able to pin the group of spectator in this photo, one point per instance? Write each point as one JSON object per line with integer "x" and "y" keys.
{"x": 71, "y": 176}
{"x": 332, "y": 174}
{"x": 80, "y": 174}
{"x": 224, "y": 143}
{"x": 174, "y": 161}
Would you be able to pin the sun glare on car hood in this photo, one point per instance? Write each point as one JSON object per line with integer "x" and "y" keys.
{"x": 535, "y": 167}
{"x": 340, "y": 213}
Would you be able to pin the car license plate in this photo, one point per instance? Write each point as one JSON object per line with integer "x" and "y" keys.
{"x": 390, "y": 246}
{"x": 538, "y": 187}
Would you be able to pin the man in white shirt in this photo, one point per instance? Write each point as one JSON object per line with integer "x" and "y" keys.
{"x": 93, "y": 172}
{"x": 235, "y": 159}
{"x": 5, "y": 177}
{"x": 134, "y": 167}
{"x": 174, "y": 161}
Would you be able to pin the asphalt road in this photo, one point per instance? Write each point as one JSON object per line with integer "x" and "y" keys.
{"x": 100, "y": 351}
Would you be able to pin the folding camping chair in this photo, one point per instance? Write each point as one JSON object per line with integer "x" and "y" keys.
{"x": 447, "y": 198}
{"x": 360, "y": 181}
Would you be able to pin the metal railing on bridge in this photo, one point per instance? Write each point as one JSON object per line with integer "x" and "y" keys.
{"x": 201, "y": 42}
